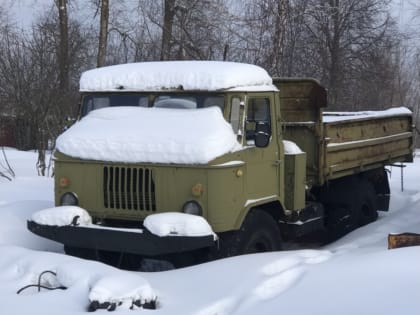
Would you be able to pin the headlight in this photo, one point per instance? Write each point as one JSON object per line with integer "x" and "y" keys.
{"x": 69, "y": 199}
{"x": 192, "y": 207}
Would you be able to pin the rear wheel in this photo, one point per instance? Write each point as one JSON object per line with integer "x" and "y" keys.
{"x": 350, "y": 203}
{"x": 341, "y": 219}
{"x": 367, "y": 203}
{"x": 341, "y": 204}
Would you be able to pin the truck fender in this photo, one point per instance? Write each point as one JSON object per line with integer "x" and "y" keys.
{"x": 270, "y": 204}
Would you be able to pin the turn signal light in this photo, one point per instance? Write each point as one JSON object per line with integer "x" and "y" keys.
{"x": 197, "y": 190}
{"x": 64, "y": 182}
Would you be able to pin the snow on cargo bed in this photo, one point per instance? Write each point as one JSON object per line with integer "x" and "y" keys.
{"x": 187, "y": 75}
{"x": 158, "y": 135}
{"x": 340, "y": 116}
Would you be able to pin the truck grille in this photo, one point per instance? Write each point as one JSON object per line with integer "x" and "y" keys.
{"x": 129, "y": 188}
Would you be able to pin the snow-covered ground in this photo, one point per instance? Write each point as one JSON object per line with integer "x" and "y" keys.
{"x": 355, "y": 275}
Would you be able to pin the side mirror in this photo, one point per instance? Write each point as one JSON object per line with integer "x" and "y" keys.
{"x": 262, "y": 134}
{"x": 262, "y": 139}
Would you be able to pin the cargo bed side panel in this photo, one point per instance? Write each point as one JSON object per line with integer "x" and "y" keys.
{"x": 357, "y": 145}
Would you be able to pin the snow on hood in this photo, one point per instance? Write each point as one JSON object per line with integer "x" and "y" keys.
{"x": 163, "y": 75}
{"x": 156, "y": 135}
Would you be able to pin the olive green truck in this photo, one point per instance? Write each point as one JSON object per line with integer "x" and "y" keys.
{"x": 214, "y": 159}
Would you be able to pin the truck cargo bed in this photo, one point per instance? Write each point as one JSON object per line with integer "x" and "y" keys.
{"x": 338, "y": 144}
{"x": 355, "y": 142}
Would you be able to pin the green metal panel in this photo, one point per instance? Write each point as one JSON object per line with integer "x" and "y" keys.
{"x": 295, "y": 181}
{"x": 301, "y": 102}
{"x": 337, "y": 149}
{"x": 354, "y": 146}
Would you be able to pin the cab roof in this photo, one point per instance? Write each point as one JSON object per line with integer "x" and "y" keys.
{"x": 177, "y": 75}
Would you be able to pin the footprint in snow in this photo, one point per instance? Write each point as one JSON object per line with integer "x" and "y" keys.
{"x": 312, "y": 257}
{"x": 299, "y": 258}
{"x": 221, "y": 307}
{"x": 276, "y": 285}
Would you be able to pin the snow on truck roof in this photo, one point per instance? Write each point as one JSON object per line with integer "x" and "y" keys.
{"x": 168, "y": 75}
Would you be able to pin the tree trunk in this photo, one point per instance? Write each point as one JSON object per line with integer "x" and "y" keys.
{"x": 64, "y": 45}
{"x": 334, "y": 48}
{"x": 168, "y": 21}
{"x": 279, "y": 35}
{"x": 103, "y": 33}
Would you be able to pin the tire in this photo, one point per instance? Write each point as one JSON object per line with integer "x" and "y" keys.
{"x": 258, "y": 233}
{"x": 367, "y": 203}
{"x": 110, "y": 258}
{"x": 352, "y": 203}
{"x": 341, "y": 204}
{"x": 341, "y": 219}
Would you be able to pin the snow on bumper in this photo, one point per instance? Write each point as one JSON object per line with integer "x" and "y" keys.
{"x": 178, "y": 224}
{"x": 61, "y": 216}
{"x": 183, "y": 233}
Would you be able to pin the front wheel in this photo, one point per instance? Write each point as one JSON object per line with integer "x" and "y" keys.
{"x": 119, "y": 260}
{"x": 259, "y": 233}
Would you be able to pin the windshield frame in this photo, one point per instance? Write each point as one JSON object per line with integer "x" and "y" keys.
{"x": 151, "y": 97}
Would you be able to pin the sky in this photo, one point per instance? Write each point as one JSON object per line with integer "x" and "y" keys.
{"x": 24, "y": 11}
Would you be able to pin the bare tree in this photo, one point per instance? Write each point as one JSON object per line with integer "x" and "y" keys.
{"x": 103, "y": 33}
{"x": 190, "y": 29}
{"x": 266, "y": 24}
{"x": 200, "y": 30}
{"x": 342, "y": 31}
{"x": 64, "y": 44}
{"x": 30, "y": 83}
{"x": 351, "y": 46}
{"x": 6, "y": 171}
{"x": 168, "y": 21}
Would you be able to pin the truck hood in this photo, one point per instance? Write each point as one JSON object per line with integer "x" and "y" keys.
{"x": 150, "y": 135}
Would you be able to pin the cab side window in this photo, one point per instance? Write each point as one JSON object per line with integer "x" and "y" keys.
{"x": 257, "y": 125}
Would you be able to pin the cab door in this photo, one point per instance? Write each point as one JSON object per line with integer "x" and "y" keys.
{"x": 260, "y": 140}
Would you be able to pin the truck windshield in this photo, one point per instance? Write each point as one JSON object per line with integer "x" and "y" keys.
{"x": 97, "y": 101}
{"x": 188, "y": 101}
{"x": 184, "y": 101}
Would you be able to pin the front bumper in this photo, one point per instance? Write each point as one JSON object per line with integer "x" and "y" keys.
{"x": 141, "y": 242}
